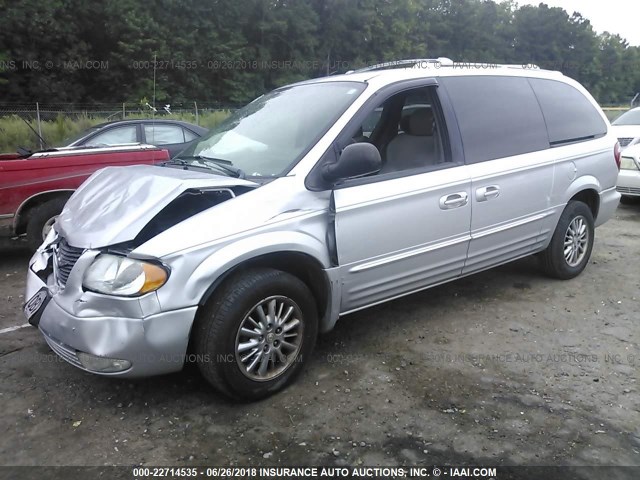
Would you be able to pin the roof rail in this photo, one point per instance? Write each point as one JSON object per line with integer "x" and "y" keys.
{"x": 438, "y": 63}
{"x": 403, "y": 64}
{"x": 462, "y": 64}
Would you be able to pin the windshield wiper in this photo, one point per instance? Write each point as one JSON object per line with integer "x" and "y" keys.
{"x": 223, "y": 165}
{"x": 175, "y": 161}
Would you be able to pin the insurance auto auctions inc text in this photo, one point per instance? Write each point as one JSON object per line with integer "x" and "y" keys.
{"x": 377, "y": 472}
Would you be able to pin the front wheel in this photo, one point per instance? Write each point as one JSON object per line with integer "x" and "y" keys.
{"x": 256, "y": 333}
{"x": 570, "y": 249}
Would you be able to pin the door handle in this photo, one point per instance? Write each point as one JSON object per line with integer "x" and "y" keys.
{"x": 486, "y": 193}
{"x": 454, "y": 200}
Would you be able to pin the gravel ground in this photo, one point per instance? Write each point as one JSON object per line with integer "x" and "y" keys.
{"x": 506, "y": 367}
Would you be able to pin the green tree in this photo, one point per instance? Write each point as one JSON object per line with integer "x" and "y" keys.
{"x": 230, "y": 52}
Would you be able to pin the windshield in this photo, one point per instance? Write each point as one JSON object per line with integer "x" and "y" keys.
{"x": 632, "y": 117}
{"x": 272, "y": 133}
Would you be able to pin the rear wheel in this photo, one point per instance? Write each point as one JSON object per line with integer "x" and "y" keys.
{"x": 41, "y": 220}
{"x": 570, "y": 249}
{"x": 256, "y": 333}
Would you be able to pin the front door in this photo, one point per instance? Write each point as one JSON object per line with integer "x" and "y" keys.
{"x": 408, "y": 227}
{"x": 401, "y": 235}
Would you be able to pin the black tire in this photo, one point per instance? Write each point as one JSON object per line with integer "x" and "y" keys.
{"x": 38, "y": 217}
{"x": 553, "y": 258}
{"x": 217, "y": 326}
{"x": 629, "y": 200}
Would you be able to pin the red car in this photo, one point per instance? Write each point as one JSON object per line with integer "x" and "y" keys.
{"x": 35, "y": 186}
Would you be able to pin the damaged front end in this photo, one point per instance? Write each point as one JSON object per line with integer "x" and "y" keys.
{"x": 117, "y": 205}
{"x": 94, "y": 302}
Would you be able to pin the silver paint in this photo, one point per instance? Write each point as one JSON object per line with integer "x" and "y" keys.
{"x": 393, "y": 237}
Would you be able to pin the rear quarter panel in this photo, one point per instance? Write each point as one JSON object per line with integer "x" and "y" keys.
{"x": 587, "y": 165}
{"x": 582, "y": 166}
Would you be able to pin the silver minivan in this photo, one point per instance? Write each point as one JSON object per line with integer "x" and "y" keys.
{"x": 316, "y": 200}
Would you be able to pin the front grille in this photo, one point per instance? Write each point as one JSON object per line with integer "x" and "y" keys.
{"x": 629, "y": 190}
{"x": 66, "y": 257}
{"x": 624, "y": 141}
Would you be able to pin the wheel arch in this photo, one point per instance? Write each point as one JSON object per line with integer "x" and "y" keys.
{"x": 586, "y": 189}
{"x": 591, "y": 198}
{"x": 22, "y": 213}
{"x": 302, "y": 265}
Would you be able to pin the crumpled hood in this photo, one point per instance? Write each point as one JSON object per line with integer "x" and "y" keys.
{"x": 115, "y": 203}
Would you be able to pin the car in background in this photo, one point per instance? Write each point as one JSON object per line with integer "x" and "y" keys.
{"x": 34, "y": 187}
{"x": 173, "y": 135}
{"x": 627, "y": 128}
{"x": 629, "y": 177}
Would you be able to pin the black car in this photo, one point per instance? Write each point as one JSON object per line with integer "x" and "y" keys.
{"x": 173, "y": 135}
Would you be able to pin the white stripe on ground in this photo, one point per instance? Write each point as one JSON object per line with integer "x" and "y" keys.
{"x": 11, "y": 329}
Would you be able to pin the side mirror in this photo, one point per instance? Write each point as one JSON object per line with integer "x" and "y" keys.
{"x": 356, "y": 160}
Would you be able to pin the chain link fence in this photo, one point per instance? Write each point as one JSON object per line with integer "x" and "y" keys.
{"x": 46, "y": 125}
{"x": 42, "y": 125}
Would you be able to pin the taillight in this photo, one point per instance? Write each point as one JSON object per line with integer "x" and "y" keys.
{"x": 616, "y": 154}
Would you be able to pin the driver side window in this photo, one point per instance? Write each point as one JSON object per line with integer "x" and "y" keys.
{"x": 407, "y": 131}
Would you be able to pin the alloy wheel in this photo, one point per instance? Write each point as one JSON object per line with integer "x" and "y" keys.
{"x": 576, "y": 241}
{"x": 269, "y": 338}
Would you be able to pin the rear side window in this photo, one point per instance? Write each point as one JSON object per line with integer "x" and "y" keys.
{"x": 189, "y": 135}
{"x": 570, "y": 116}
{"x": 114, "y": 136}
{"x": 157, "y": 134}
{"x": 498, "y": 116}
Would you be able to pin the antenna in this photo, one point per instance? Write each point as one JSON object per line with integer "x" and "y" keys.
{"x": 154, "y": 85}
{"x": 42, "y": 141}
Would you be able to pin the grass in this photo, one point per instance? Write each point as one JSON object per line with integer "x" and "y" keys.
{"x": 614, "y": 112}
{"x": 15, "y": 133}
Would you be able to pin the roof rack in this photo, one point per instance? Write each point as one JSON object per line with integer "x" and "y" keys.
{"x": 403, "y": 64}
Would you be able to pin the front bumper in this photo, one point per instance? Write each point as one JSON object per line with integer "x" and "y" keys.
{"x": 74, "y": 321}
{"x": 629, "y": 182}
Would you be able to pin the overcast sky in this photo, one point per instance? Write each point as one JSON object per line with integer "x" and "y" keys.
{"x": 615, "y": 16}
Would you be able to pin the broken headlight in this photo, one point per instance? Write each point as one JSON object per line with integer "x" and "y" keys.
{"x": 115, "y": 275}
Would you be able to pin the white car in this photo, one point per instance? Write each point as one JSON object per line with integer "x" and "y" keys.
{"x": 627, "y": 128}
{"x": 629, "y": 177}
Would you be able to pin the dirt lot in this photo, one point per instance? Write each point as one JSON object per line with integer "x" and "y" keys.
{"x": 504, "y": 367}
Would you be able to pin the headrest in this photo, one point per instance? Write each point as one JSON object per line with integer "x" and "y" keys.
{"x": 421, "y": 123}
